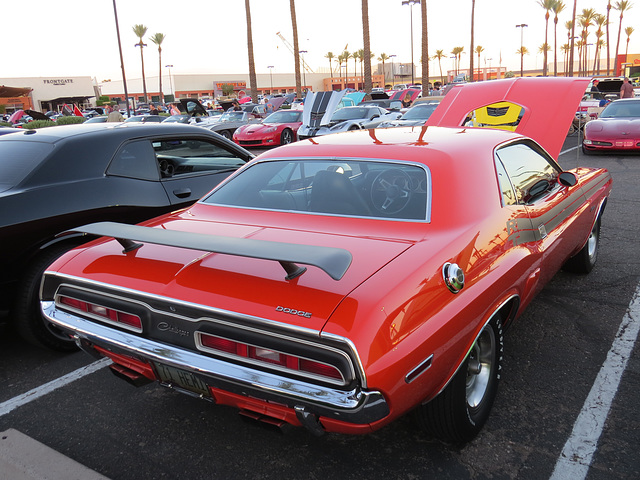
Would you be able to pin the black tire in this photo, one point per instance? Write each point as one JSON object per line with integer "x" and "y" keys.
{"x": 584, "y": 261}
{"x": 286, "y": 137}
{"x": 226, "y": 134}
{"x": 586, "y": 151}
{"x": 353, "y": 127}
{"x": 27, "y": 316}
{"x": 459, "y": 412}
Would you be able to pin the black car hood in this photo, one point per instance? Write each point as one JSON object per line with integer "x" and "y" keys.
{"x": 192, "y": 106}
{"x": 36, "y": 115}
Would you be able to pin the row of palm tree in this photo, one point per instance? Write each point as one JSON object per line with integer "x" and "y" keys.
{"x": 140, "y": 31}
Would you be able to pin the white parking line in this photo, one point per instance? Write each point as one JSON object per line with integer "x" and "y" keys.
{"x": 568, "y": 150}
{"x": 577, "y": 454}
{"x": 15, "y": 402}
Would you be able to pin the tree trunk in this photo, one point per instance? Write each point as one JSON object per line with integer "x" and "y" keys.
{"x": 253, "y": 81}
{"x": 296, "y": 48}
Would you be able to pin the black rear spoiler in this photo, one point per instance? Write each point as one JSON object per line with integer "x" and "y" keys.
{"x": 333, "y": 261}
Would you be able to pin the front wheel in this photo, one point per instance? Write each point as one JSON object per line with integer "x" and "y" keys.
{"x": 28, "y": 318}
{"x": 286, "y": 137}
{"x": 458, "y": 413}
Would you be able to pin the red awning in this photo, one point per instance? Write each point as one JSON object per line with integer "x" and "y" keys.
{"x": 14, "y": 91}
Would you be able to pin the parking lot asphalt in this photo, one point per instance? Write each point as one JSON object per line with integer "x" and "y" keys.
{"x": 554, "y": 355}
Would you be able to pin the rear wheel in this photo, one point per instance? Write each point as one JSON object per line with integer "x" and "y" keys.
{"x": 458, "y": 413}
{"x": 585, "y": 259}
{"x": 225, "y": 134}
{"x": 28, "y": 318}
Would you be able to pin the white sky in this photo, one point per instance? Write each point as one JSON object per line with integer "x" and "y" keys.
{"x": 78, "y": 37}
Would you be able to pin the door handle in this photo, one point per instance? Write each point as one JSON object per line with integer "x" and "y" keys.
{"x": 182, "y": 192}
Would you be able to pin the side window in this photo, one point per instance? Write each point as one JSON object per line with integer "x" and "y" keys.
{"x": 530, "y": 172}
{"x": 178, "y": 157}
{"x": 506, "y": 189}
{"x": 135, "y": 160}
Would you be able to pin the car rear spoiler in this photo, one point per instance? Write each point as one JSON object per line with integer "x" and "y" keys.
{"x": 333, "y": 261}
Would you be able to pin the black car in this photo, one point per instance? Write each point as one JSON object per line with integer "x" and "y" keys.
{"x": 58, "y": 178}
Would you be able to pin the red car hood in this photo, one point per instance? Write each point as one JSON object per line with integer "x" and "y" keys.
{"x": 614, "y": 127}
{"x": 251, "y": 286}
{"x": 550, "y": 105}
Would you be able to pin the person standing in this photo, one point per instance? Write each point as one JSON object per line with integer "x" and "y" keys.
{"x": 627, "y": 89}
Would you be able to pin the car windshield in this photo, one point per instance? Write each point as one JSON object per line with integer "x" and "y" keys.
{"x": 349, "y": 113}
{"x": 621, "y": 110}
{"x": 284, "y": 116}
{"x": 351, "y": 188}
{"x": 235, "y": 116}
{"x": 420, "y": 112}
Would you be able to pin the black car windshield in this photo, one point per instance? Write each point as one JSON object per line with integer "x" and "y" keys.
{"x": 236, "y": 116}
{"x": 333, "y": 187}
{"x": 350, "y": 113}
{"x": 284, "y": 116}
{"x": 419, "y": 112}
{"x": 18, "y": 159}
{"x": 621, "y": 109}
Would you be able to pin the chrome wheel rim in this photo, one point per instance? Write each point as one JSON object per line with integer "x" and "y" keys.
{"x": 480, "y": 366}
{"x": 592, "y": 243}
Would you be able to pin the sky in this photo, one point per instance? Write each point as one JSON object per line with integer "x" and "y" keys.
{"x": 78, "y": 37}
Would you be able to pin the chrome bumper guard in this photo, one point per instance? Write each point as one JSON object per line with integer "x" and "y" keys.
{"x": 354, "y": 406}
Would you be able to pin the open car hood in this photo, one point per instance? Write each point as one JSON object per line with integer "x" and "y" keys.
{"x": 319, "y": 107}
{"x": 549, "y": 106}
{"x": 36, "y": 115}
{"x": 192, "y": 106}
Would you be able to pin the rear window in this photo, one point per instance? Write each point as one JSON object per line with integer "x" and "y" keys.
{"x": 18, "y": 159}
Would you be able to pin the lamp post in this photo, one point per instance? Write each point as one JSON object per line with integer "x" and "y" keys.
{"x": 393, "y": 72}
{"x": 270, "y": 67}
{"x": 411, "y": 3}
{"x": 304, "y": 70}
{"x": 171, "y": 81}
{"x": 489, "y": 73}
{"x": 521, "y": 27}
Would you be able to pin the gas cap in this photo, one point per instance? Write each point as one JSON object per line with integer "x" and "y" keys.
{"x": 453, "y": 277}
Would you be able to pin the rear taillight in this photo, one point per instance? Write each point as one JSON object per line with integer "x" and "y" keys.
{"x": 101, "y": 312}
{"x": 269, "y": 357}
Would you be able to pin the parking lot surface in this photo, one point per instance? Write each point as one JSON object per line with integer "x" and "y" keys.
{"x": 553, "y": 356}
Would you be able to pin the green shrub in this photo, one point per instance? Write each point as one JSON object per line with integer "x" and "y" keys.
{"x": 6, "y": 124}
{"x": 70, "y": 120}
{"x": 39, "y": 124}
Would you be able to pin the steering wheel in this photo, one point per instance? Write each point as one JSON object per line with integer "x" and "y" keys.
{"x": 391, "y": 191}
{"x": 166, "y": 168}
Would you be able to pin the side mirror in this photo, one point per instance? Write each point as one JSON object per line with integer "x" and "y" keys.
{"x": 567, "y": 179}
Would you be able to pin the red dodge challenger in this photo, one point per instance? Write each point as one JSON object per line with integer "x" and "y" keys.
{"x": 340, "y": 282}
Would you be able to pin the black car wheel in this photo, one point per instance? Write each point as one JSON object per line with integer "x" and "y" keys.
{"x": 585, "y": 259}
{"x": 458, "y": 413}
{"x": 29, "y": 321}
{"x": 286, "y": 137}
{"x": 225, "y": 133}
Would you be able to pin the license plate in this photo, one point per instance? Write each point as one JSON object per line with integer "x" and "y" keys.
{"x": 182, "y": 379}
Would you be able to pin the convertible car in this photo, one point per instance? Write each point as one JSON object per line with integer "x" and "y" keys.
{"x": 617, "y": 128}
{"x": 342, "y": 281}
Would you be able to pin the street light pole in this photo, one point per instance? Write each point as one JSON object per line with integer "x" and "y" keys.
{"x": 270, "y": 67}
{"x": 521, "y": 27}
{"x": 171, "y": 81}
{"x": 393, "y": 72}
{"x": 411, "y": 3}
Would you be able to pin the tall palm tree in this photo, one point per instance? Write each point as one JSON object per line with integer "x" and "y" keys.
{"x": 366, "y": 54}
{"x": 425, "y": 47}
{"x": 158, "y": 38}
{"x": 627, "y": 31}
{"x": 572, "y": 37}
{"x": 479, "y": 49}
{"x": 621, "y": 6}
{"x": 565, "y": 52}
{"x": 586, "y": 19}
{"x": 457, "y": 52}
{"x": 522, "y": 51}
{"x": 558, "y": 7}
{"x": 140, "y": 31}
{"x": 382, "y": 58}
{"x": 600, "y": 44}
{"x": 296, "y": 48}
{"x": 599, "y": 21}
{"x": 608, "y": 52}
{"x": 330, "y": 56}
{"x": 360, "y": 59}
{"x": 473, "y": 12}
{"x": 547, "y": 5}
{"x": 439, "y": 56}
{"x": 253, "y": 81}
{"x": 356, "y": 58}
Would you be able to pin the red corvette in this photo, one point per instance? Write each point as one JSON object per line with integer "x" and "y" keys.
{"x": 617, "y": 128}
{"x": 340, "y": 282}
{"x": 279, "y": 128}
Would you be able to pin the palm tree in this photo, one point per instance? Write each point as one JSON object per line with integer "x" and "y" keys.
{"x": 360, "y": 59}
{"x": 382, "y": 58}
{"x": 356, "y": 57}
{"x": 608, "y": 52}
{"x": 158, "y": 38}
{"x": 522, "y": 51}
{"x": 565, "y": 52}
{"x": 479, "y": 49}
{"x": 558, "y": 7}
{"x": 599, "y": 20}
{"x": 439, "y": 56}
{"x": 621, "y": 6}
{"x": 366, "y": 54}
{"x": 473, "y": 12}
{"x": 547, "y": 5}
{"x": 572, "y": 37}
{"x": 253, "y": 81}
{"x": 586, "y": 18}
{"x": 457, "y": 51}
{"x": 330, "y": 56}
{"x": 140, "y": 31}
{"x": 296, "y": 48}
{"x": 628, "y": 31}
{"x": 425, "y": 48}
{"x": 599, "y": 46}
